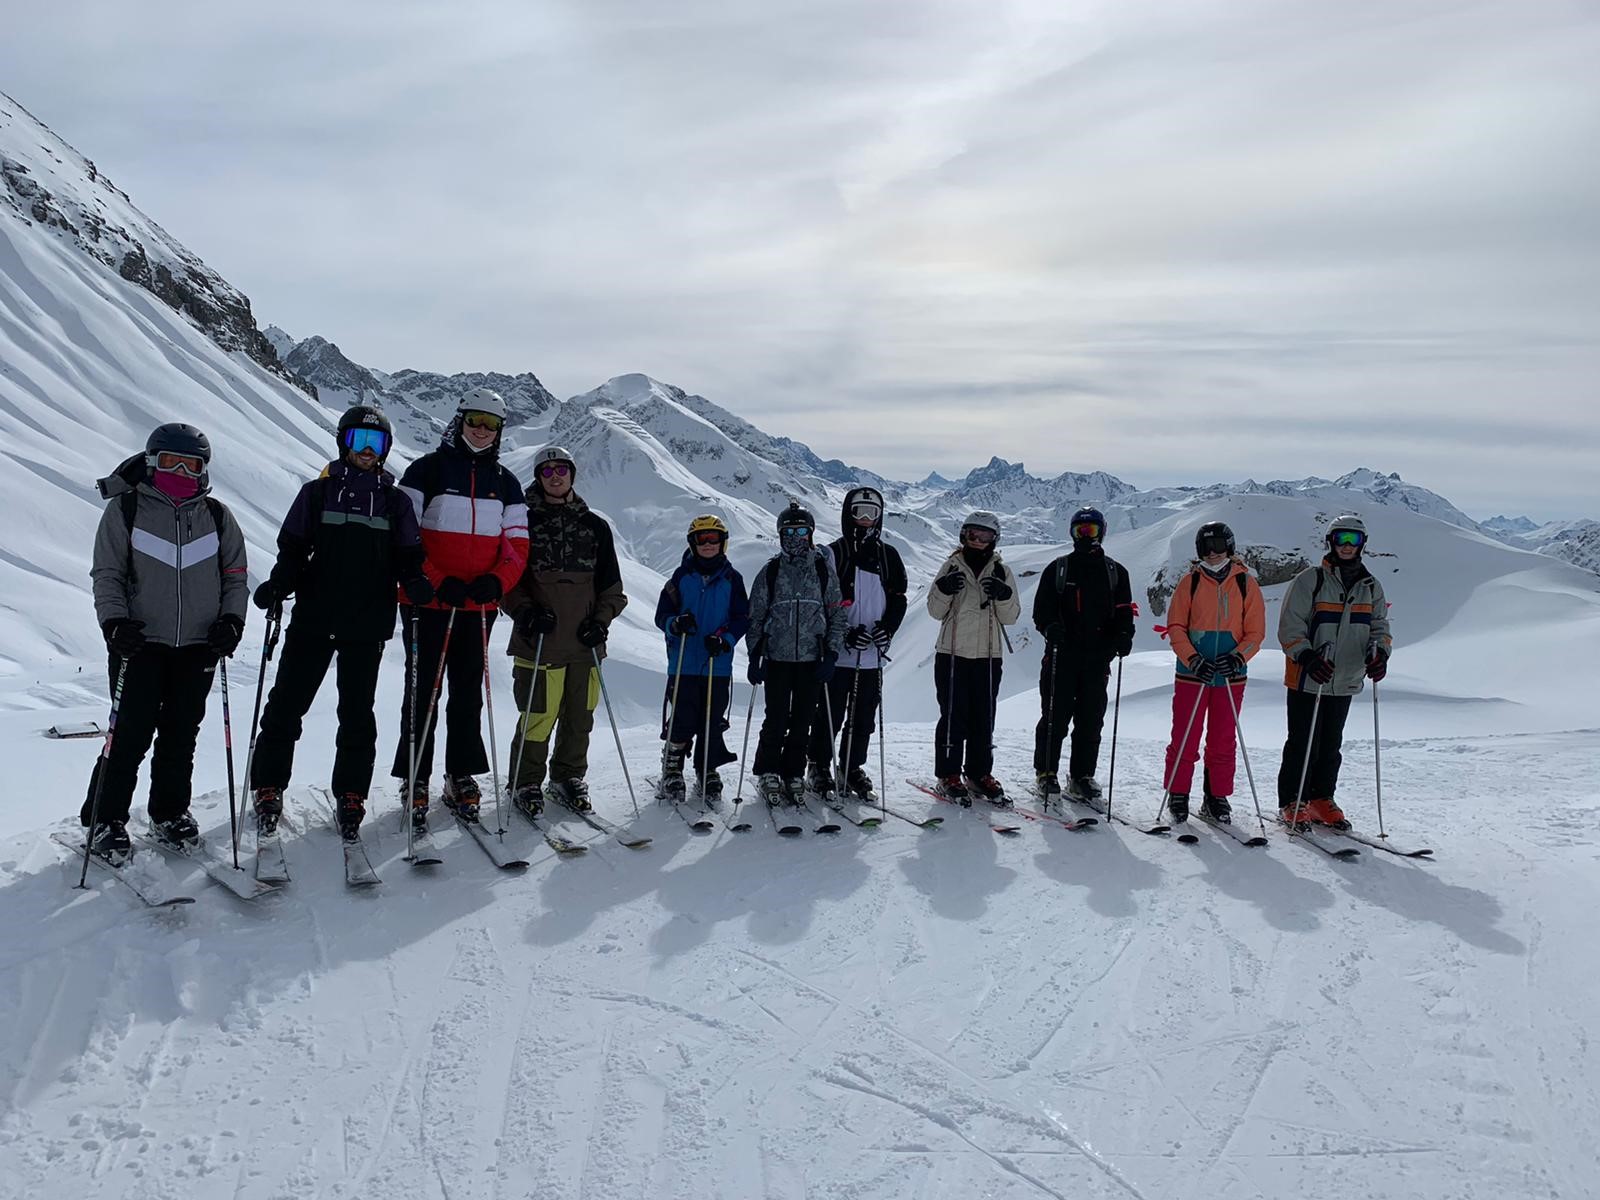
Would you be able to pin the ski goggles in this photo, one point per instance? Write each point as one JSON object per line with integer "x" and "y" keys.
{"x": 865, "y": 510}
{"x": 168, "y": 460}
{"x": 975, "y": 533}
{"x": 1349, "y": 537}
{"x": 709, "y": 537}
{"x": 1214, "y": 544}
{"x": 551, "y": 470}
{"x": 795, "y": 531}
{"x": 482, "y": 420}
{"x": 358, "y": 440}
{"x": 1088, "y": 531}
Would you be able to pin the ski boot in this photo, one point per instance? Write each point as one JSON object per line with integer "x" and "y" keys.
{"x": 180, "y": 831}
{"x": 1216, "y": 808}
{"x": 352, "y": 808}
{"x": 1326, "y": 812}
{"x": 1178, "y": 806}
{"x": 859, "y": 784}
{"x": 673, "y": 790}
{"x": 461, "y": 796}
{"x": 1048, "y": 787}
{"x": 711, "y": 791}
{"x": 1297, "y": 817}
{"x": 109, "y": 840}
{"x": 572, "y": 793}
{"x": 419, "y": 807}
{"x": 819, "y": 779}
{"x": 1086, "y": 788}
{"x": 530, "y": 799}
{"x": 951, "y": 787}
{"x": 988, "y": 788}
{"x": 269, "y": 807}
{"x": 795, "y": 788}
{"x": 770, "y": 786}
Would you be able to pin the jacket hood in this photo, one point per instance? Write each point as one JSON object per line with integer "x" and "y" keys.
{"x": 846, "y": 525}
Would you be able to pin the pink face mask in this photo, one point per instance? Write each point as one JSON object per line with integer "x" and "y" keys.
{"x": 175, "y": 484}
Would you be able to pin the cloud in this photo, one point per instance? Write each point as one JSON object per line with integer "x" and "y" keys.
{"x": 1173, "y": 240}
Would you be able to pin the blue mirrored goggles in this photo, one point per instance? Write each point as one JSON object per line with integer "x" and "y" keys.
{"x": 795, "y": 531}
{"x": 358, "y": 439}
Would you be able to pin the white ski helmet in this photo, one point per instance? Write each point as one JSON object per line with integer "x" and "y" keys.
{"x": 983, "y": 520}
{"x": 484, "y": 400}
{"x": 553, "y": 454}
{"x": 1348, "y": 523}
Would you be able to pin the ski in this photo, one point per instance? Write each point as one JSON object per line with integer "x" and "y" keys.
{"x": 1238, "y": 835}
{"x": 358, "y": 870}
{"x": 700, "y": 823}
{"x": 826, "y": 825}
{"x": 1313, "y": 838}
{"x": 1008, "y": 830}
{"x": 236, "y": 879}
{"x": 423, "y": 851}
{"x": 133, "y": 873}
{"x": 1073, "y": 823}
{"x": 790, "y": 830}
{"x": 1366, "y": 839}
{"x": 867, "y": 822}
{"x": 923, "y": 822}
{"x": 1156, "y": 830}
{"x": 271, "y": 866}
{"x": 595, "y": 821}
{"x": 555, "y": 841}
{"x": 731, "y": 821}
{"x": 493, "y": 844}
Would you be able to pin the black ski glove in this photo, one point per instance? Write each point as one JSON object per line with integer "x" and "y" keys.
{"x": 1231, "y": 665}
{"x": 1123, "y": 645}
{"x": 591, "y": 633}
{"x": 1377, "y": 664}
{"x": 756, "y": 672}
{"x": 1202, "y": 668}
{"x": 270, "y": 593}
{"x": 531, "y": 622}
{"x": 683, "y": 623}
{"x": 1055, "y": 633}
{"x": 995, "y": 588}
{"x": 881, "y": 637}
{"x": 418, "y": 589}
{"x": 951, "y": 582}
{"x": 124, "y": 636}
{"x": 485, "y": 589}
{"x": 717, "y": 645}
{"x": 224, "y": 634}
{"x": 452, "y": 591}
{"x": 825, "y": 668}
{"x": 857, "y": 637}
{"x": 1315, "y": 665}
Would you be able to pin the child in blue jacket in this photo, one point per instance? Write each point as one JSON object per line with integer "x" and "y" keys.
{"x": 704, "y": 610}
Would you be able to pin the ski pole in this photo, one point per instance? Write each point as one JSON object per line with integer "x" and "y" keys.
{"x": 1050, "y": 748}
{"x": 274, "y": 628}
{"x": 1183, "y": 745}
{"x": 705, "y": 744}
{"x": 100, "y": 768}
{"x": 1311, "y": 740}
{"x": 847, "y": 743}
{"x": 833, "y": 761}
{"x": 594, "y": 652}
{"x": 954, "y": 618}
{"x": 1377, "y": 758}
{"x": 672, "y": 712}
{"x": 1238, "y": 728}
{"x": 994, "y": 700}
{"x": 1116, "y": 711}
{"x": 227, "y": 746}
{"x": 427, "y": 728}
{"x": 744, "y": 750}
{"x": 883, "y": 774}
{"x": 527, "y": 715}
{"x": 494, "y": 750}
{"x": 411, "y": 726}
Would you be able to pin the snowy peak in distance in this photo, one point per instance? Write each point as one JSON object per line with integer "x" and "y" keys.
{"x": 1003, "y": 486}
{"x": 45, "y": 182}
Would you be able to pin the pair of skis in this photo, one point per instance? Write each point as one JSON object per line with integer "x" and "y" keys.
{"x": 1075, "y": 824}
{"x": 698, "y": 819}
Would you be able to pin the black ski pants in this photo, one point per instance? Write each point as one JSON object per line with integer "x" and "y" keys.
{"x": 463, "y": 679}
{"x": 855, "y": 738}
{"x": 1072, "y": 692}
{"x": 963, "y": 740}
{"x": 163, "y": 698}
{"x": 791, "y": 699}
{"x": 1324, "y": 742}
{"x": 307, "y": 654}
{"x": 686, "y": 725}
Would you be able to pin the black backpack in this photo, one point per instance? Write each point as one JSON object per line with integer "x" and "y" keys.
{"x": 770, "y": 571}
{"x": 1244, "y": 585}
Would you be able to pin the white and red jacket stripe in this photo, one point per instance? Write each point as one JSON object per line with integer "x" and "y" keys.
{"x": 474, "y": 521}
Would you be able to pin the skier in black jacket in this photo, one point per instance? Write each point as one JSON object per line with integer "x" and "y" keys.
{"x": 349, "y": 537}
{"x": 872, "y": 582}
{"x": 1084, "y": 607}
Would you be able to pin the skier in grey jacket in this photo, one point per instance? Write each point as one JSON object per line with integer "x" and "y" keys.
{"x": 169, "y": 594}
{"x": 796, "y": 632}
{"x": 1334, "y": 630}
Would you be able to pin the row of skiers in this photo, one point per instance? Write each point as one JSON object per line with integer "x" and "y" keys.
{"x": 458, "y": 536}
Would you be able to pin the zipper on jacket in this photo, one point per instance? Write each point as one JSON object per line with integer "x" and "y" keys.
{"x": 177, "y": 542}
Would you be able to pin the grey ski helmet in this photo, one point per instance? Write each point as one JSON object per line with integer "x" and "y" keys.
{"x": 982, "y": 520}
{"x": 484, "y": 400}
{"x": 1348, "y": 523}
{"x": 555, "y": 454}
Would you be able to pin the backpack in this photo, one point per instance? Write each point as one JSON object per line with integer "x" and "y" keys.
{"x": 1111, "y": 577}
{"x": 1244, "y": 585}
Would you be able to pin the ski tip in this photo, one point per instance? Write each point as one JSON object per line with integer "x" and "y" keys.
{"x": 1188, "y": 839}
{"x": 1347, "y": 854}
{"x": 741, "y": 827}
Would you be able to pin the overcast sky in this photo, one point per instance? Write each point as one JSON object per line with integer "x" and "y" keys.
{"x": 1179, "y": 241}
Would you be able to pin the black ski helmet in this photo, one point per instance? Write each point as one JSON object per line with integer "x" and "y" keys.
{"x": 1085, "y": 516}
{"x": 178, "y": 438}
{"x": 796, "y": 514}
{"x": 1211, "y": 537}
{"x": 364, "y": 416}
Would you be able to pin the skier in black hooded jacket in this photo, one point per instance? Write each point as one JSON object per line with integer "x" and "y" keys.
{"x": 872, "y": 582}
